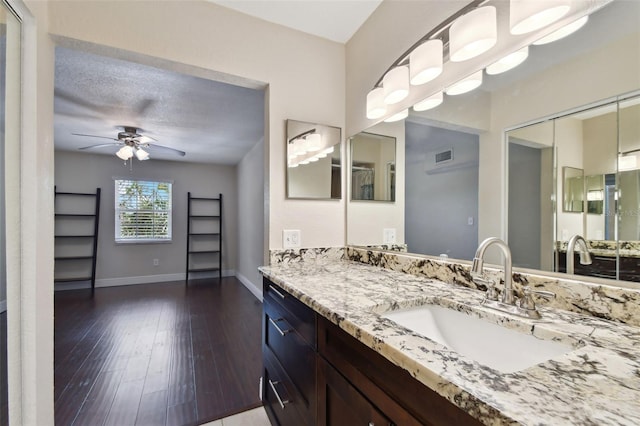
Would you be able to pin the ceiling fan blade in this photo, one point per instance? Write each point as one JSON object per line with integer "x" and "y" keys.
{"x": 94, "y": 136}
{"x": 145, "y": 139}
{"x": 102, "y": 145}
{"x": 166, "y": 148}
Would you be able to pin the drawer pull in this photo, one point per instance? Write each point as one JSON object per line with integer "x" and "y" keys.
{"x": 275, "y": 290}
{"x": 280, "y": 400}
{"x": 281, "y": 331}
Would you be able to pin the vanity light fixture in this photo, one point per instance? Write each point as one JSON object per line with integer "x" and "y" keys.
{"x": 563, "y": 32}
{"x": 376, "y": 107}
{"x": 429, "y": 103}
{"x": 510, "y": 61}
{"x": 465, "y": 85}
{"x": 473, "y": 34}
{"x": 395, "y": 85}
{"x": 526, "y": 16}
{"x": 425, "y": 62}
{"x": 398, "y": 116}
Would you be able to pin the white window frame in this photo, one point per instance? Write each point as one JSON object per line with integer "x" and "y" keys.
{"x": 136, "y": 239}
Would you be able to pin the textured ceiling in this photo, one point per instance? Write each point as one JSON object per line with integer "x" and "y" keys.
{"x": 212, "y": 122}
{"x": 335, "y": 20}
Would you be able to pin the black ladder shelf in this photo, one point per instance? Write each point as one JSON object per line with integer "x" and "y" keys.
{"x": 77, "y": 219}
{"x": 204, "y": 235}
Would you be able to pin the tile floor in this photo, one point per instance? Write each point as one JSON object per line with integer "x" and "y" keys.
{"x": 255, "y": 417}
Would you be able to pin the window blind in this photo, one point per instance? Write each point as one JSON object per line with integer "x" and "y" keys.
{"x": 142, "y": 210}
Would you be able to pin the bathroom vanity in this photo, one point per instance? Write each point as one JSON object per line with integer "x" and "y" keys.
{"x": 332, "y": 357}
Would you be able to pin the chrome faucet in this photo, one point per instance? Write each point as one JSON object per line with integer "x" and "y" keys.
{"x": 524, "y": 307}
{"x": 478, "y": 264}
{"x": 585, "y": 256}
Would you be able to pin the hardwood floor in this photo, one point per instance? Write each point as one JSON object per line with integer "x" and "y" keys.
{"x": 156, "y": 354}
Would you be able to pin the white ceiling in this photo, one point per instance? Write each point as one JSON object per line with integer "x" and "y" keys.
{"x": 335, "y": 20}
{"x": 212, "y": 122}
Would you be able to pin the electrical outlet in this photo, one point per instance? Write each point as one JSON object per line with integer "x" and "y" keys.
{"x": 156, "y": 262}
{"x": 389, "y": 236}
{"x": 291, "y": 238}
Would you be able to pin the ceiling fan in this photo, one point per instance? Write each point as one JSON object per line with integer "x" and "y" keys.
{"x": 131, "y": 143}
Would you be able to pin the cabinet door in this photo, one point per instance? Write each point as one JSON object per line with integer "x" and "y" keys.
{"x": 340, "y": 404}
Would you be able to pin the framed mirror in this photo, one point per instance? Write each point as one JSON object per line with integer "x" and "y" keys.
{"x": 373, "y": 167}
{"x": 314, "y": 166}
{"x": 572, "y": 189}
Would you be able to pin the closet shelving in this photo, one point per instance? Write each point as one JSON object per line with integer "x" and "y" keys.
{"x": 204, "y": 235}
{"x": 77, "y": 218}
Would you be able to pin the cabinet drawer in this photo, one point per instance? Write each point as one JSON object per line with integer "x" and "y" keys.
{"x": 301, "y": 317}
{"x": 281, "y": 400}
{"x": 293, "y": 353}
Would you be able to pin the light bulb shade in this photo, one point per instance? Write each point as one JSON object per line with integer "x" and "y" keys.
{"x": 473, "y": 34}
{"x": 313, "y": 159}
{"x": 429, "y": 103}
{"x": 376, "y": 107}
{"x": 465, "y": 85}
{"x": 304, "y": 162}
{"x": 293, "y": 165}
{"x": 395, "y": 85}
{"x": 314, "y": 141}
{"x": 398, "y": 116}
{"x": 142, "y": 154}
{"x": 563, "y": 32}
{"x": 526, "y": 16}
{"x": 329, "y": 150}
{"x": 125, "y": 153}
{"x": 510, "y": 61}
{"x": 425, "y": 62}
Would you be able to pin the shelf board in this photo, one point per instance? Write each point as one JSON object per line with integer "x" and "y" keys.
{"x": 203, "y": 251}
{"x": 71, "y": 279}
{"x": 74, "y": 236}
{"x": 204, "y": 216}
{"x": 204, "y": 233}
{"x": 204, "y": 199}
{"x": 74, "y": 215}
{"x": 73, "y": 257}
{"x": 80, "y": 194}
{"x": 203, "y": 269}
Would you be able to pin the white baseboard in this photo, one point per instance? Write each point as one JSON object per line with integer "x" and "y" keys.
{"x": 3, "y": 306}
{"x": 257, "y": 291}
{"x": 144, "y": 279}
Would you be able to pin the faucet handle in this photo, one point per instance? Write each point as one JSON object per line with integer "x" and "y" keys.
{"x": 492, "y": 291}
{"x": 527, "y": 301}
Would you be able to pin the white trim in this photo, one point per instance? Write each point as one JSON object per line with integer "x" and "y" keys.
{"x": 3, "y": 306}
{"x": 257, "y": 292}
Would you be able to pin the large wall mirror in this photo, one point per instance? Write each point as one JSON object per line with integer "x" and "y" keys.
{"x": 445, "y": 205}
{"x": 313, "y": 161}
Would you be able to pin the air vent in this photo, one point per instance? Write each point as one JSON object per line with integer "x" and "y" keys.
{"x": 444, "y": 156}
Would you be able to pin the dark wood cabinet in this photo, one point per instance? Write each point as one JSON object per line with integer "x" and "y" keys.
{"x": 603, "y": 267}
{"x": 317, "y": 374}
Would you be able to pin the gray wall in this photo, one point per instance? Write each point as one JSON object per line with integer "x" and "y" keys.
{"x": 120, "y": 264}
{"x": 525, "y": 165}
{"x": 439, "y": 204}
{"x": 251, "y": 202}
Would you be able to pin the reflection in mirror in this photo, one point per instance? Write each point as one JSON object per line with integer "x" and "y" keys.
{"x": 373, "y": 167}
{"x": 600, "y": 61}
{"x": 313, "y": 161}
{"x": 572, "y": 189}
{"x": 4, "y": 400}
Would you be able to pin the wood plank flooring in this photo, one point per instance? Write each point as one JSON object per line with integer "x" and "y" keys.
{"x": 156, "y": 354}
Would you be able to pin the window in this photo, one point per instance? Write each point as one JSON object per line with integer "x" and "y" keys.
{"x": 143, "y": 211}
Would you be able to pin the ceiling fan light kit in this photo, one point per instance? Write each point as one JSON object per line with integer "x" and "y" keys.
{"x": 131, "y": 144}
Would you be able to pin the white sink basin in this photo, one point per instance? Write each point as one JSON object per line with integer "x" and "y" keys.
{"x": 489, "y": 344}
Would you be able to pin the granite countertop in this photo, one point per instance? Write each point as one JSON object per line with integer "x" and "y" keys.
{"x": 596, "y": 383}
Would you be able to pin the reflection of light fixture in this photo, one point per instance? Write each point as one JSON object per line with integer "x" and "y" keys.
{"x": 313, "y": 142}
{"x": 313, "y": 159}
{"x": 125, "y": 153}
{"x": 429, "y": 103}
{"x": 526, "y": 16}
{"x": 425, "y": 62}
{"x": 465, "y": 85}
{"x": 142, "y": 154}
{"x": 627, "y": 162}
{"x": 395, "y": 85}
{"x": 473, "y": 34}
{"x": 398, "y": 116}
{"x": 376, "y": 107}
{"x": 595, "y": 195}
{"x": 328, "y": 150}
{"x": 563, "y": 32}
{"x": 508, "y": 62}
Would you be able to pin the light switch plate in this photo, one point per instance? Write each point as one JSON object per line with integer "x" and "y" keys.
{"x": 389, "y": 236}
{"x": 291, "y": 238}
